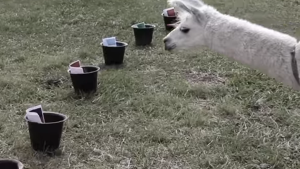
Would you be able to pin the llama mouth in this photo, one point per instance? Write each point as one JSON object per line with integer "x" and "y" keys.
{"x": 170, "y": 47}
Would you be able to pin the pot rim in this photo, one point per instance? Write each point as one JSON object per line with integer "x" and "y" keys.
{"x": 124, "y": 45}
{"x": 20, "y": 165}
{"x": 97, "y": 70}
{"x": 168, "y": 16}
{"x": 152, "y": 26}
{"x": 50, "y": 112}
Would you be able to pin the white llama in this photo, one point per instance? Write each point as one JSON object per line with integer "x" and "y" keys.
{"x": 271, "y": 52}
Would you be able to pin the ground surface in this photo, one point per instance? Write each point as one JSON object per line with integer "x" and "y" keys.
{"x": 161, "y": 110}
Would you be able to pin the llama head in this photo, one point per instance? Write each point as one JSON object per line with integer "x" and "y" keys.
{"x": 189, "y": 31}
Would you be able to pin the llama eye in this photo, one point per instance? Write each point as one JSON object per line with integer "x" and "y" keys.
{"x": 184, "y": 30}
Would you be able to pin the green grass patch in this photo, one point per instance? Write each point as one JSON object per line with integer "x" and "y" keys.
{"x": 159, "y": 110}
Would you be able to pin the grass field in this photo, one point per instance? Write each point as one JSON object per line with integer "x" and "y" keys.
{"x": 160, "y": 110}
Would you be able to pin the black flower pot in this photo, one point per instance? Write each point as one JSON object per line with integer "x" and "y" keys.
{"x": 46, "y": 136}
{"x": 86, "y": 82}
{"x": 10, "y": 164}
{"x": 143, "y": 36}
{"x": 114, "y": 55}
{"x": 169, "y": 20}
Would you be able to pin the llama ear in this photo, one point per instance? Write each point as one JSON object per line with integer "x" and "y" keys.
{"x": 186, "y": 3}
{"x": 187, "y": 7}
{"x": 179, "y": 5}
{"x": 194, "y": 3}
{"x": 199, "y": 16}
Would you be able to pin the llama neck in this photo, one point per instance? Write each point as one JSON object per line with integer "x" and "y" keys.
{"x": 250, "y": 44}
{"x": 254, "y": 46}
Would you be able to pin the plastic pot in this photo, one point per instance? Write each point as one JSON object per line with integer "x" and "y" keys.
{"x": 10, "y": 164}
{"x": 46, "y": 136}
{"x": 143, "y": 36}
{"x": 169, "y": 20}
{"x": 86, "y": 82}
{"x": 114, "y": 55}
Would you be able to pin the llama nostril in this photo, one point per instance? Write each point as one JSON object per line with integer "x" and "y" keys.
{"x": 166, "y": 40}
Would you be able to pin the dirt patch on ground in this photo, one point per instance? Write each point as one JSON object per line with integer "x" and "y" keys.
{"x": 204, "y": 78}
